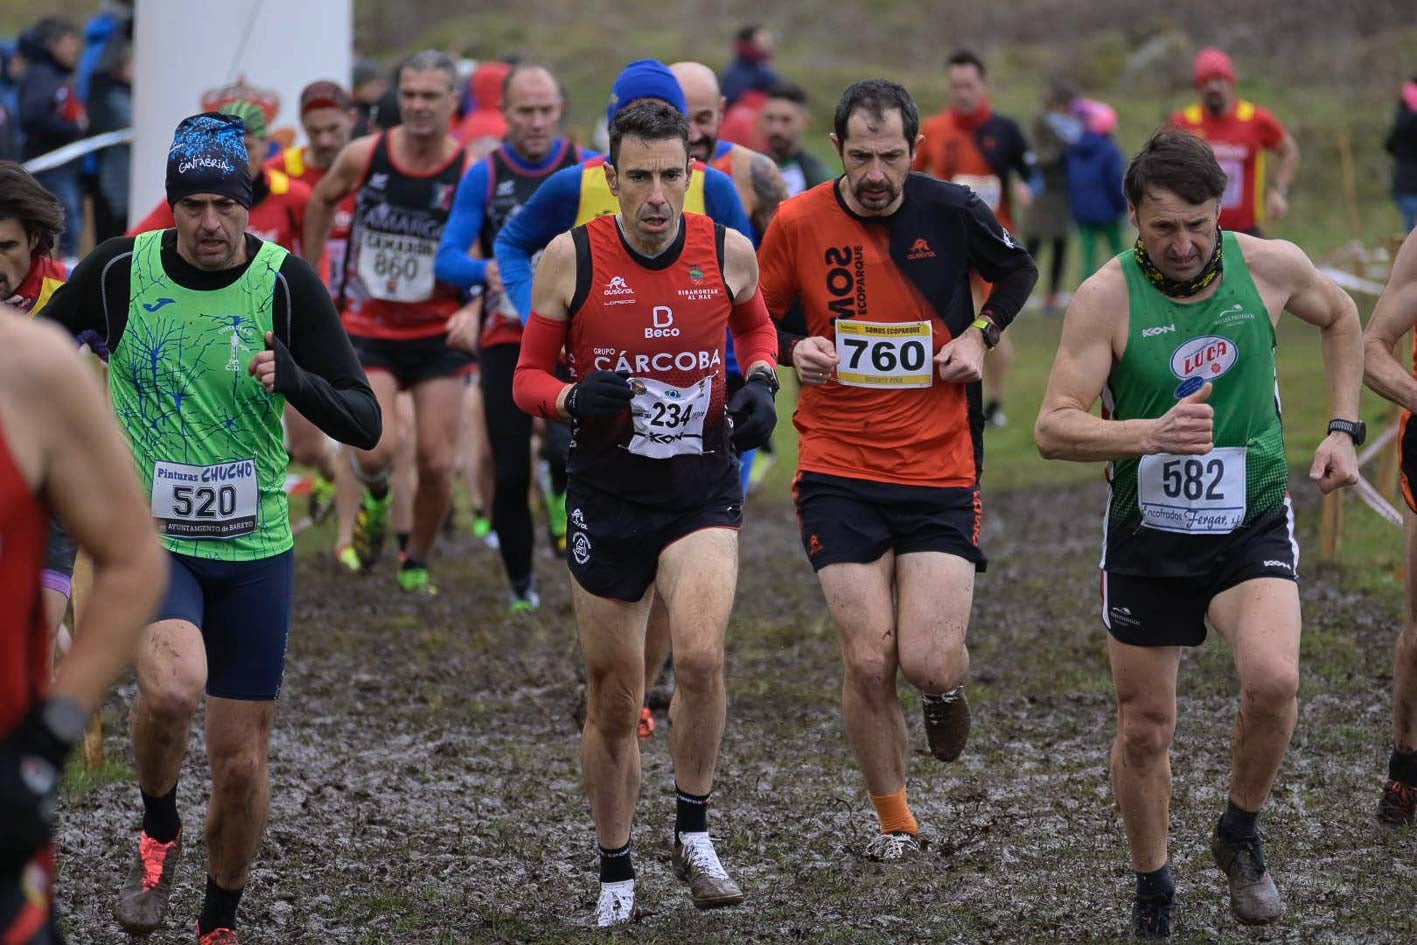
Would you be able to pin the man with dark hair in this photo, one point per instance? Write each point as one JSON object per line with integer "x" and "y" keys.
{"x": 641, "y": 301}
{"x": 971, "y": 144}
{"x": 395, "y": 308}
{"x": 211, "y": 331}
{"x": 1199, "y": 527}
{"x": 52, "y": 114}
{"x": 751, "y": 69}
{"x": 887, "y": 492}
{"x": 783, "y": 122}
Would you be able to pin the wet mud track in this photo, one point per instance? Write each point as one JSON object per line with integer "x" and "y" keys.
{"x": 426, "y": 782}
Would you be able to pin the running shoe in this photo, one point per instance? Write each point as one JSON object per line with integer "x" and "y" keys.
{"x": 217, "y": 937}
{"x": 322, "y": 499}
{"x": 142, "y": 902}
{"x": 1398, "y": 803}
{"x": 895, "y": 847}
{"x": 761, "y": 464}
{"x": 525, "y": 603}
{"x": 646, "y": 726}
{"x": 415, "y": 579}
{"x": 1151, "y": 917}
{"x": 481, "y": 525}
{"x": 369, "y": 527}
{"x": 994, "y": 414}
{"x": 946, "y": 722}
{"x": 696, "y": 862}
{"x": 1254, "y": 900}
{"x": 556, "y": 521}
{"x": 617, "y": 903}
{"x": 348, "y": 559}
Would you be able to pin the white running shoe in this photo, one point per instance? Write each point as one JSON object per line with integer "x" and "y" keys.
{"x": 617, "y": 903}
{"x": 696, "y": 863}
{"x": 893, "y": 847}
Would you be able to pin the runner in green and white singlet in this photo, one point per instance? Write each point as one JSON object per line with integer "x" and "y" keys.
{"x": 1177, "y": 338}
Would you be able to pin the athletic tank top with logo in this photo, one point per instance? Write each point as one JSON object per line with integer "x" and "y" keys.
{"x": 390, "y": 290}
{"x": 1169, "y": 514}
{"x": 509, "y": 187}
{"x": 598, "y": 201}
{"x": 24, "y": 640}
{"x": 204, "y": 433}
{"x": 662, "y": 322}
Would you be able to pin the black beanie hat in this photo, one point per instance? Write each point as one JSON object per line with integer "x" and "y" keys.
{"x": 208, "y": 156}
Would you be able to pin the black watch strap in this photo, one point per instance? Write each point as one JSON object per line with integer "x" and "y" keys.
{"x": 1356, "y": 429}
{"x": 769, "y": 376}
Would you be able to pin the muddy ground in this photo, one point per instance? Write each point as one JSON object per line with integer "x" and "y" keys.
{"x": 426, "y": 776}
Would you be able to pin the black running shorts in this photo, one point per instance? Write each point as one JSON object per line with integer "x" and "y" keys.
{"x": 1407, "y": 451}
{"x": 414, "y": 360}
{"x": 1170, "y": 611}
{"x": 856, "y": 521}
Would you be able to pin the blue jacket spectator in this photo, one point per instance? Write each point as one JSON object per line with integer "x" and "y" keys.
{"x": 1095, "y": 166}
{"x": 752, "y": 69}
{"x": 51, "y": 115}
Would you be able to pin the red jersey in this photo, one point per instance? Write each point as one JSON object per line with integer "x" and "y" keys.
{"x": 293, "y": 164}
{"x": 663, "y": 321}
{"x": 277, "y": 215}
{"x": 45, "y": 276}
{"x": 24, "y": 641}
{"x": 1239, "y": 141}
{"x": 889, "y": 292}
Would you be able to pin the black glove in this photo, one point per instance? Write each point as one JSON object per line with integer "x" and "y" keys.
{"x": 753, "y": 412}
{"x": 31, "y": 766}
{"x": 601, "y": 394}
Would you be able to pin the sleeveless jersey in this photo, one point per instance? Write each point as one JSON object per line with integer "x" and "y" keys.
{"x": 390, "y": 290}
{"x": 24, "y": 639}
{"x": 509, "y": 187}
{"x": 1239, "y": 141}
{"x": 293, "y": 163}
{"x": 1169, "y": 515}
{"x": 205, "y": 435}
{"x": 597, "y": 200}
{"x": 663, "y": 322}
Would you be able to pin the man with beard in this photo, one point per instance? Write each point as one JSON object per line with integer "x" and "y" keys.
{"x": 1240, "y": 132}
{"x": 783, "y": 121}
{"x": 1199, "y": 528}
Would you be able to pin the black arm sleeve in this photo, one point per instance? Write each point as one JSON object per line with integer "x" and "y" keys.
{"x": 791, "y": 328}
{"x": 316, "y": 369}
{"x": 93, "y": 304}
{"x": 1000, "y": 260}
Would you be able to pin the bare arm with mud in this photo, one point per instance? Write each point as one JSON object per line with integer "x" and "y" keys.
{"x": 333, "y": 187}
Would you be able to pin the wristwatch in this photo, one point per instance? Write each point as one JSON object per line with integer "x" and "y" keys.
{"x": 1356, "y": 429}
{"x": 767, "y": 375}
{"x": 988, "y": 329}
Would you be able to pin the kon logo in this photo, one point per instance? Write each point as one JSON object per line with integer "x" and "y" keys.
{"x": 1200, "y": 360}
{"x": 663, "y": 317}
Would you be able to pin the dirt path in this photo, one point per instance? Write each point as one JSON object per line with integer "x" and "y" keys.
{"x": 427, "y": 783}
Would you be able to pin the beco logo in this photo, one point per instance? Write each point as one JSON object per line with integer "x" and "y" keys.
{"x": 663, "y": 317}
{"x": 1200, "y": 360}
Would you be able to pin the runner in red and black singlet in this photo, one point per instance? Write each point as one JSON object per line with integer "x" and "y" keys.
{"x": 55, "y": 430}
{"x": 642, "y": 301}
{"x": 395, "y": 308}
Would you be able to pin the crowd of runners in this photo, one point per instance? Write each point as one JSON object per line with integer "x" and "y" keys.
{"x": 395, "y": 309}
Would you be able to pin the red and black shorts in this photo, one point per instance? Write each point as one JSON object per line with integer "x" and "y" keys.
{"x": 856, "y": 521}
{"x": 613, "y": 545}
{"x": 412, "y": 361}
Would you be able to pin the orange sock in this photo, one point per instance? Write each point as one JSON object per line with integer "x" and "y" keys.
{"x": 895, "y": 813}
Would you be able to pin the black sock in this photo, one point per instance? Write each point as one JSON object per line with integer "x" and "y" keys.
{"x": 1157, "y": 884}
{"x": 160, "y": 820}
{"x": 402, "y": 540}
{"x": 1239, "y": 823}
{"x": 521, "y": 587}
{"x": 615, "y": 865}
{"x": 379, "y": 490}
{"x": 690, "y": 811}
{"x": 218, "y": 908}
{"x": 1402, "y": 766}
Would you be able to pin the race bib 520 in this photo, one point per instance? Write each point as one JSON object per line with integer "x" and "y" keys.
{"x": 219, "y": 501}
{"x": 1199, "y": 495}
{"x": 883, "y": 354}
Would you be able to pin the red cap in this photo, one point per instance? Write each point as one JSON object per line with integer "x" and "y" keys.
{"x": 323, "y": 94}
{"x": 1212, "y": 63}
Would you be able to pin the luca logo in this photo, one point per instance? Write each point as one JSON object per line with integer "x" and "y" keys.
{"x": 1200, "y": 360}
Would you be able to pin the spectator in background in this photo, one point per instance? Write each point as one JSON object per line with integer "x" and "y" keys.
{"x": 110, "y": 109}
{"x": 12, "y": 66}
{"x": 1402, "y": 145}
{"x": 368, "y": 85}
{"x": 1095, "y": 165}
{"x": 52, "y": 116}
{"x": 483, "y": 127}
{"x": 744, "y": 86}
{"x": 113, "y": 23}
{"x": 1047, "y": 219}
{"x": 782, "y": 123}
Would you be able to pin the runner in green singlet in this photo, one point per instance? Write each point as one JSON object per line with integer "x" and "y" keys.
{"x": 1177, "y": 338}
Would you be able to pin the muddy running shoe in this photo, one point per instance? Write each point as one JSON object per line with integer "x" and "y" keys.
{"x": 1398, "y": 803}
{"x": 893, "y": 847}
{"x": 142, "y": 902}
{"x": 616, "y": 905}
{"x": 348, "y": 559}
{"x": 556, "y": 522}
{"x": 646, "y": 727}
{"x": 525, "y": 603}
{"x": 946, "y": 722}
{"x": 696, "y": 863}
{"x": 322, "y": 499}
{"x": 369, "y": 527}
{"x": 415, "y": 579}
{"x": 1254, "y": 900}
{"x": 481, "y": 525}
{"x": 217, "y": 937}
{"x": 1151, "y": 918}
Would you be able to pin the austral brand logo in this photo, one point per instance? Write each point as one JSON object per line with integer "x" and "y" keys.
{"x": 617, "y": 286}
{"x": 1202, "y": 359}
{"x": 920, "y": 249}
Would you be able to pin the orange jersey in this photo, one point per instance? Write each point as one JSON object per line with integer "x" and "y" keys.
{"x": 980, "y": 151}
{"x": 902, "y": 279}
